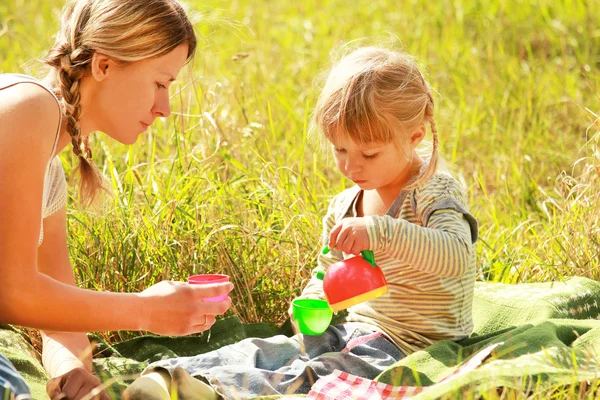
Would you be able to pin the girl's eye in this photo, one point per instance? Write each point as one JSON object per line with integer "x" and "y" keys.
{"x": 339, "y": 150}
{"x": 160, "y": 85}
{"x": 371, "y": 156}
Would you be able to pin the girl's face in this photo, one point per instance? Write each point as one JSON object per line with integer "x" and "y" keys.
{"x": 373, "y": 166}
{"x": 122, "y": 100}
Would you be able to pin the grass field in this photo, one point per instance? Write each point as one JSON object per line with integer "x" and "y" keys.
{"x": 232, "y": 183}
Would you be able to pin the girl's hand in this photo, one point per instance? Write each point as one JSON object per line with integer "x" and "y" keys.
{"x": 177, "y": 308}
{"x": 292, "y": 321}
{"x": 350, "y": 236}
{"x": 74, "y": 385}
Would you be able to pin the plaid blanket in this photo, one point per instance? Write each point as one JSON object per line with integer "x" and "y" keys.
{"x": 344, "y": 386}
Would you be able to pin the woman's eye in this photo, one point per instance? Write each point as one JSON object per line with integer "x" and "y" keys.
{"x": 339, "y": 150}
{"x": 371, "y": 156}
{"x": 160, "y": 85}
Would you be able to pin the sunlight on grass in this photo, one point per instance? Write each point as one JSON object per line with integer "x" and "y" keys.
{"x": 232, "y": 184}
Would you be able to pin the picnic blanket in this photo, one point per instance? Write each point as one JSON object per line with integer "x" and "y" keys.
{"x": 119, "y": 364}
{"x": 550, "y": 334}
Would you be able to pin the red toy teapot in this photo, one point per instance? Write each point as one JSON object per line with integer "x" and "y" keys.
{"x": 352, "y": 281}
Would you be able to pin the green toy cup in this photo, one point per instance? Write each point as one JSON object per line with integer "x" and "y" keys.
{"x": 313, "y": 316}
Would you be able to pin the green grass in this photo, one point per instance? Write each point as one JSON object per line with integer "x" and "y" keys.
{"x": 231, "y": 183}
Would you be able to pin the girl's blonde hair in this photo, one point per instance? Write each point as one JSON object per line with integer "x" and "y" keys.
{"x": 375, "y": 95}
{"x": 124, "y": 30}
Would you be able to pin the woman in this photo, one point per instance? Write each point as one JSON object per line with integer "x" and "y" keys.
{"x": 111, "y": 68}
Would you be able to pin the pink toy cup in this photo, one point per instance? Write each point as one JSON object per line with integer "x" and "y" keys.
{"x": 205, "y": 279}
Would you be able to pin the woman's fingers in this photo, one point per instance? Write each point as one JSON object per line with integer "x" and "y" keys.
{"x": 206, "y": 324}
{"x": 179, "y": 308}
{"x": 206, "y": 321}
{"x": 210, "y": 290}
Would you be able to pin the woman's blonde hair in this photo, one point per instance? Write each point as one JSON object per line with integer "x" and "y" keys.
{"x": 124, "y": 30}
{"x": 375, "y": 95}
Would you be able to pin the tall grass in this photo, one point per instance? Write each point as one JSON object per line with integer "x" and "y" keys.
{"x": 231, "y": 183}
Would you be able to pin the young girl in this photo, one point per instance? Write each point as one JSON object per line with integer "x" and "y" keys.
{"x": 111, "y": 68}
{"x": 373, "y": 110}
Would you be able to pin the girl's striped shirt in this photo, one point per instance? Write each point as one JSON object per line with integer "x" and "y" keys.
{"x": 426, "y": 251}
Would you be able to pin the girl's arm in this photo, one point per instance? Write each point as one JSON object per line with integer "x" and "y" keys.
{"x": 28, "y": 119}
{"x": 441, "y": 248}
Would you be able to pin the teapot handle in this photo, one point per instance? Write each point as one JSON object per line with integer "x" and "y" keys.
{"x": 367, "y": 255}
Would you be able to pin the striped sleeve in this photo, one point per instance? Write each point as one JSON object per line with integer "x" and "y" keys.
{"x": 443, "y": 192}
{"x": 442, "y": 245}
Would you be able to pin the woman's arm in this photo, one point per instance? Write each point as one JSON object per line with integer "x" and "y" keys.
{"x": 62, "y": 351}
{"x": 28, "y": 120}
{"x": 30, "y": 298}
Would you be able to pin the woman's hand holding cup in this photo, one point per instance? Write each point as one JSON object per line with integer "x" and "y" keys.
{"x": 178, "y": 308}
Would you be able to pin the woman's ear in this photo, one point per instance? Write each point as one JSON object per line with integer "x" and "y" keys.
{"x": 418, "y": 135}
{"x": 100, "y": 66}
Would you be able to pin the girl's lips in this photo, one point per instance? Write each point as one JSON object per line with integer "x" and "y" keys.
{"x": 358, "y": 181}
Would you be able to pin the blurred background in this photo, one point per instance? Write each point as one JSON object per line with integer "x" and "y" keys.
{"x": 232, "y": 183}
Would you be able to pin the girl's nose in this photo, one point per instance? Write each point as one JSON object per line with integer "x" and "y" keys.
{"x": 352, "y": 165}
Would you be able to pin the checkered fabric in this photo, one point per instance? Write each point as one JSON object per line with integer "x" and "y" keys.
{"x": 343, "y": 386}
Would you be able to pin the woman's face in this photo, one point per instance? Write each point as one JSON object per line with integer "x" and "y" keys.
{"x": 122, "y": 100}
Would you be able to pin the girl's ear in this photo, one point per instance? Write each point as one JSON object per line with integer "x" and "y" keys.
{"x": 100, "y": 66}
{"x": 418, "y": 135}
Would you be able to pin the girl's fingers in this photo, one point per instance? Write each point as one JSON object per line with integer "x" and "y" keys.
{"x": 357, "y": 248}
{"x": 341, "y": 239}
{"x": 333, "y": 236}
{"x": 348, "y": 244}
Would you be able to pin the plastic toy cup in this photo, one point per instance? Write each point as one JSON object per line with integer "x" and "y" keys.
{"x": 313, "y": 316}
{"x": 205, "y": 279}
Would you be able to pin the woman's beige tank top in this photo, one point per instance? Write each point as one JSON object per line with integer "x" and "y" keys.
{"x": 55, "y": 187}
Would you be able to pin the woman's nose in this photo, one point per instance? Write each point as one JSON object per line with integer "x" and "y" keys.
{"x": 162, "y": 105}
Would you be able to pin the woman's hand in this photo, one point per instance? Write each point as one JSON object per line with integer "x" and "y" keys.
{"x": 178, "y": 308}
{"x": 350, "y": 236}
{"x": 74, "y": 385}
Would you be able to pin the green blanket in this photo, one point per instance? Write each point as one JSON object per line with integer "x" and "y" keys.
{"x": 549, "y": 332}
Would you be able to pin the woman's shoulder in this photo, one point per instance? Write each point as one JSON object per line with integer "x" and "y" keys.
{"x": 22, "y": 93}
{"x": 29, "y": 117}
